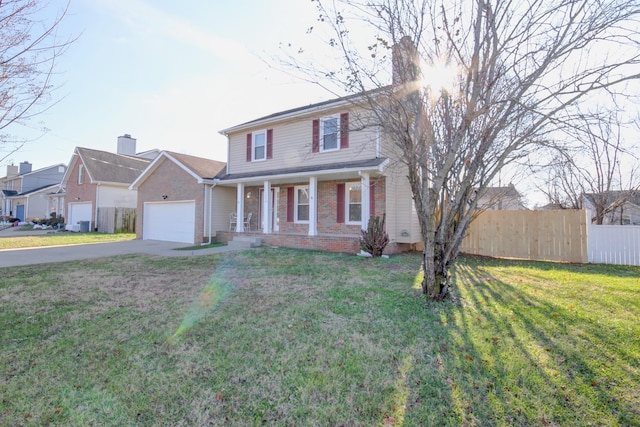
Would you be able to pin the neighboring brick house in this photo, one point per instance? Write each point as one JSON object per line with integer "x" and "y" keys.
{"x": 178, "y": 200}
{"x": 97, "y": 182}
{"x": 324, "y": 175}
{"x": 24, "y": 191}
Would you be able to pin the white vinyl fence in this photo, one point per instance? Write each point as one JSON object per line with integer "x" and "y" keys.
{"x": 614, "y": 244}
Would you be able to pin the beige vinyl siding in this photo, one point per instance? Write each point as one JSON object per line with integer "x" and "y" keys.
{"x": 224, "y": 202}
{"x": 401, "y": 212}
{"x": 292, "y": 146}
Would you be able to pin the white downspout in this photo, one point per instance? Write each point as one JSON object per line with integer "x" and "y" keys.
{"x": 95, "y": 217}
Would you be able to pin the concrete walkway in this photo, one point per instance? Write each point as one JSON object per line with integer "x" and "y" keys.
{"x": 30, "y": 256}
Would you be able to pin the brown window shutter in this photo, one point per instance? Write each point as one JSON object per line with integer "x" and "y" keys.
{"x": 344, "y": 130}
{"x": 269, "y": 143}
{"x": 372, "y": 200}
{"x": 340, "y": 203}
{"x": 315, "y": 144}
{"x": 249, "y": 140}
{"x": 290, "y": 200}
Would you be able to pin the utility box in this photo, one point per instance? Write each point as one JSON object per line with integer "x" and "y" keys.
{"x": 84, "y": 226}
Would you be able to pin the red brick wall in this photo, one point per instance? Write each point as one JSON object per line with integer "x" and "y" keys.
{"x": 178, "y": 185}
{"x": 80, "y": 193}
{"x": 345, "y": 244}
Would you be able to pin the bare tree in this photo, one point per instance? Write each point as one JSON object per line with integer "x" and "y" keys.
{"x": 29, "y": 50}
{"x": 593, "y": 164}
{"x": 517, "y": 70}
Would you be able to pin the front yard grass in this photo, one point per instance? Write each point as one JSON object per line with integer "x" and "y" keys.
{"x": 289, "y": 337}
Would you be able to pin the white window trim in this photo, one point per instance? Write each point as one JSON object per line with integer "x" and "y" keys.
{"x": 295, "y": 204}
{"x": 322, "y": 120}
{"x": 81, "y": 174}
{"x": 253, "y": 145}
{"x": 347, "y": 204}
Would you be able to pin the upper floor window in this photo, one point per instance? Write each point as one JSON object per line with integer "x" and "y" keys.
{"x": 81, "y": 174}
{"x": 329, "y": 133}
{"x": 301, "y": 203}
{"x": 259, "y": 149}
{"x": 260, "y": 145}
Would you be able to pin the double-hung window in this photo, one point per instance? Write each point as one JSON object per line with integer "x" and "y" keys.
{"x": 301, "y": 204}
{"x": 353, "y": 205}
{"x": 259, "y": 146}
{"x": 330, "y": 133}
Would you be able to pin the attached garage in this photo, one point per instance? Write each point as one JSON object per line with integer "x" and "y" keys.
{"x": 169, "y": 221}
{"x": 79, "y": 212}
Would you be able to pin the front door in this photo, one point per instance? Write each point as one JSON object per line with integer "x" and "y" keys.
{"x": 20, "y": 213}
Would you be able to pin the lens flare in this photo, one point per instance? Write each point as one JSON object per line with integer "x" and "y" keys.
{"x": 214, "y": 292}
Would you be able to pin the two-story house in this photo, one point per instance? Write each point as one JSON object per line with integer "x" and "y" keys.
{"x": 24, "y": 191}
{"x": 97, "y": 182}
{"x": 311, "y": 177}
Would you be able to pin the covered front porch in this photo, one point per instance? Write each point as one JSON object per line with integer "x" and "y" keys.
{"x": 321, "y": 208}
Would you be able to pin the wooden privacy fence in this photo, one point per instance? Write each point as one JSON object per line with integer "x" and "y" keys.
{"x": 558, "y": 235}
{"x": 117, "y": 220}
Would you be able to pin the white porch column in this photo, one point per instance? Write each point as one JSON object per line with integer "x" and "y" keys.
{"x": 313, "y": 206}
{"x": 364, "y": 188}
{"x": 240, "y": 207}
{"x": 266, "y": 209}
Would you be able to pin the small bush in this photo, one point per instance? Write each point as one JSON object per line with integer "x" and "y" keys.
{"x": 374, "y": 239}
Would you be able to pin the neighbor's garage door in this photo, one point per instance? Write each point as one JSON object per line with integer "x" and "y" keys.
{"x": 169, "y": 221}
{"x": 79, "y": 212}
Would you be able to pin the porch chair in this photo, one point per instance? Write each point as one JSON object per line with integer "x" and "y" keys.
{"x": 247, "y": 221}
{"x": 233, "y": 221}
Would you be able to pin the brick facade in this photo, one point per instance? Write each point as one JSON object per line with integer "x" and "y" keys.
{"x": 332, "y": 236}
{"x": 80, "y": 193}
{"x": 171, "y": 180}
{"x": 327, "y": 208}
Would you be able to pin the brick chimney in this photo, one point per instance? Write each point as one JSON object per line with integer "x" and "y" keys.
{"x": 405, "y": 61}
{"x": 126, "y": 145}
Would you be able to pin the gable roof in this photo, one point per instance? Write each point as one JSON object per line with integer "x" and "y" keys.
{"x": 200, "y": 168}
{"x": 614, "y": 196}
{"x": 307, "y": 109}
{"x": 32, "y": 191}
{"x": 103, "y": 166}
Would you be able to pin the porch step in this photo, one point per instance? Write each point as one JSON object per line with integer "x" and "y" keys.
{"x": 245, "y": 242}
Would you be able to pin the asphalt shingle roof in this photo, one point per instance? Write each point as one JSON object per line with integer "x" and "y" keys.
{"x": 204, "y": 168}
{"x": 109, "y": 167}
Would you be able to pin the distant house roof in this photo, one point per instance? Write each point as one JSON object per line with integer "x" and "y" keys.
{"x": 33, "y": 190}
{"x": 613, "y": 196}
{"x": 508, "y": 191}
{"x": 103, "y": 166}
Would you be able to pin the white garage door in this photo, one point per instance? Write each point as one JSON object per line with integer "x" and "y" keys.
{"x": 169, "y": 221}
{"x": 79, "y": 212}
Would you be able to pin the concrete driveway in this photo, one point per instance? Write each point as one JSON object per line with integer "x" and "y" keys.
{"x": 30, "y": 256}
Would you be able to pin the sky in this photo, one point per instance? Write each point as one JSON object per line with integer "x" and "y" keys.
{"x": 171, "y": 74}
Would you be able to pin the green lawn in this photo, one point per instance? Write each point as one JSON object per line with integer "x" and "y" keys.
{"x": 289, "y": 337}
